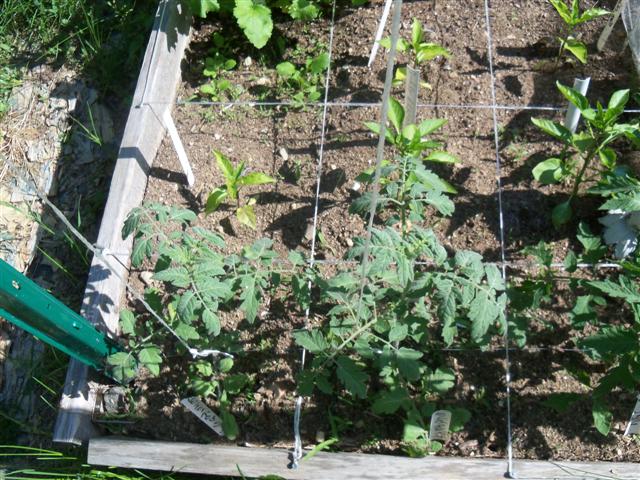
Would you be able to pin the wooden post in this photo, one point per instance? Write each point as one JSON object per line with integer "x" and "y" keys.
{"x": 155, "y": 93}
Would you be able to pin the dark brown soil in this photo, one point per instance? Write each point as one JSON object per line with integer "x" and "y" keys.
{"x": 279, "y": 142}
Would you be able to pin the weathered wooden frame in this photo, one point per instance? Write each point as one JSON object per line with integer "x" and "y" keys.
{"x": 155, "y": 94}
{"x": 256, "y": 462}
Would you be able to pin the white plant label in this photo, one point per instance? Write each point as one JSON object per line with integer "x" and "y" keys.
{"x": 204, "y": 413}
{"x": 440, "y": 421}
{"x": 411, "y": 86}
{"x": 633, "y": 427}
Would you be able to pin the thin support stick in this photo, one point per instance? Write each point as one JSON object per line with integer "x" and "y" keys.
{"x": 386, "y": 93}
{"x": 179, "y": 148}
{"x": 379, "y": 32}
{"x": 496, "y": 136}
{"x": 297, "y": 443}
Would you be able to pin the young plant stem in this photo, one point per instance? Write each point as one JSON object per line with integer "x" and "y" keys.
{"x": 586, "y": 163}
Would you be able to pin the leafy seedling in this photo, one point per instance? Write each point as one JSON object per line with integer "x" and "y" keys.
{"x": 602, "y": 128}
{"x": 235, "y": 179}
{"x": 569, "y": 12}
{"x": 418, "y": 51}
{"x": 217, "y": 65}
{"x": 302, "y": 82}
{"x": 406, "y": 184}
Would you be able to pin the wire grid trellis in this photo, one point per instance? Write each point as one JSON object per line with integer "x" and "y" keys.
{"x": 504, "y": 262}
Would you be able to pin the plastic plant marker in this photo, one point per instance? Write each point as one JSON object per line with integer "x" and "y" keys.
{"x": 412, "y": 85}
{"x": 31, "y": 308}
{"x": 573, "y": 114}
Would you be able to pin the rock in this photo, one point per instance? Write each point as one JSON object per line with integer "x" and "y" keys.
{"x": 248, "y": 62}
{"x": 21, "y": 97}
{"x": 263, "y": 81}
{"x": 468, "y": 446}
{"x": 320, "y": 436}
{"x": 113, "y": 400}
{"x": 147, "y": 278}
{"x": 283, "y": 153}
{"x": 308, "y": 234}
{"x": 356, "y": 186}
{"x": 349, "y": 242}
{"x": 38, "y": 150}
{"x": 102, "y": 122}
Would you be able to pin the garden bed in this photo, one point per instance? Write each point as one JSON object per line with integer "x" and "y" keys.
{"x": 315, "y": 154}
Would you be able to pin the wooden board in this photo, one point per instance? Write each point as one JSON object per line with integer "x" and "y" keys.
{"x": 254, "y": 462}
{"x": 155, "y": 93}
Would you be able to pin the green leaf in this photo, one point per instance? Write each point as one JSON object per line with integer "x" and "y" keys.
{"x": 413, "y": 432}
{"x": 601, "y": 417}
{"x": 255, "y": 21}
{"x": 203, "y": 388}
{"x": 303, "y": 10}
{"x": 459, "y": 416}
{"x": 483, "y": 311}
{"x": 225, "y": 364}
{"x": 610, "y": 342}
{"x": 575, "y": 97}
{"x": 286, "y": 69}
{"x": 225, "y": 165}
{"x": 352, "y": 376}
{"x": 211, "y": 322}
{"x": 549, "y": 171}
{"x": 142, "y": 249}
{"x": 608, "y": 157}
{"x": 562, "y": 10}
{"x": 408, "y": 364}
{"x": 416, "y": 33}
{"x": 624, "y": 289}
{"x": 229, "y": 424}
{"x": 592, "y": 13}
{"x": 561, "y": 214}
{"x": 247, "y": 216}
{"x": 255, "y": 178}
{"x": 429, "y": 51}
{"x": 578, "y": 49}
{"x": 396, "y": 114}
{"x": 215, "y": 199}
{"x": 398, "y": 333}
{"x": 177, "y": 276}
{"x": 555, "y": 129}
{"x": 441, "y": 380}
{"x": 390, "y": 401}
{"x": 441, "y": 157}
{"x": 618, "y": 100}
{"x": 234, "y": 384}
{"x": 430, "y": 125}
{"x": 150, "y": 358}
{"x": 187, "y": 332}
{"x": 319, "y": 64}
{"x": 127, "y": 322}
{"x": 249, "y": 298}
{"x": 201, "y": 8}
{"x": 312, "y": 340}
{"x": 560, "y": 402}
{"x": 122, "y": 366}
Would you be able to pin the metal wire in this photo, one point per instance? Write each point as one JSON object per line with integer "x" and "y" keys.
{"x": 496, "y": 135}
{"x": 443, "y": 106}
{"x": 297, "y": 443}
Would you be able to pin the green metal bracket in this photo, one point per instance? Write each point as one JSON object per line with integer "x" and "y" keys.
{"x": 31, "y": 308}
